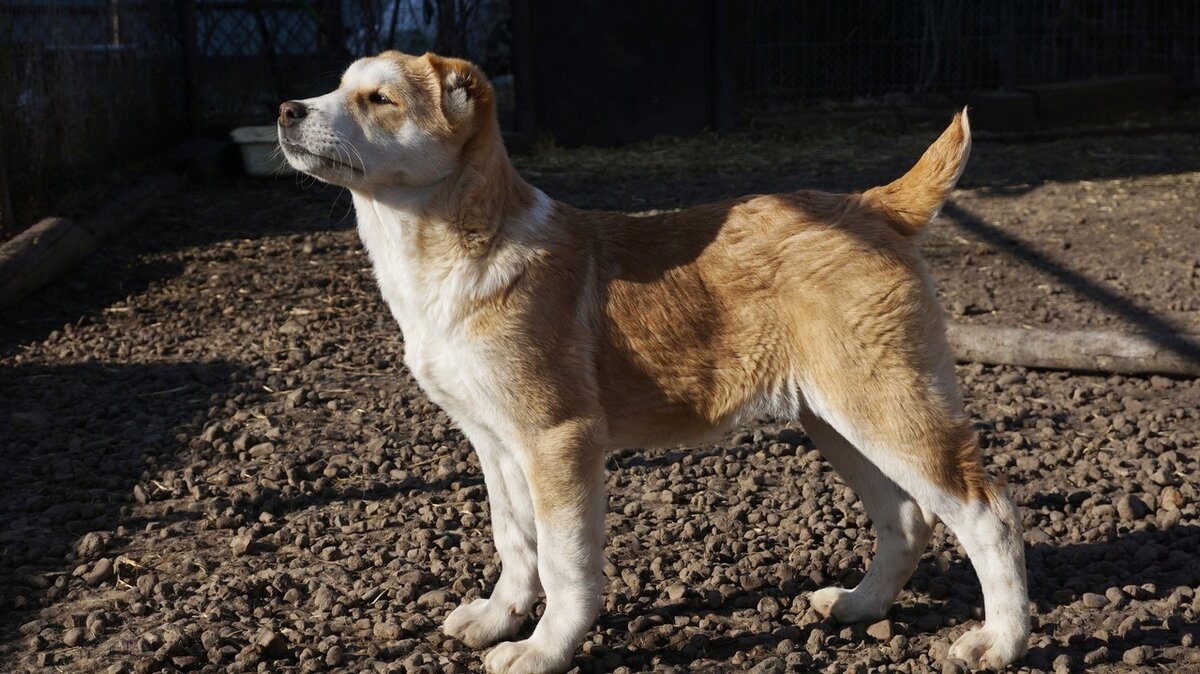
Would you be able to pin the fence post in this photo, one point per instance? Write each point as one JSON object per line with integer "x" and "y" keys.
{"x": 192, "y": 96}
{"x": 524, "y": 117}
{"x": 8, "y": 220}
{"x": 1010, "y": 63}
{"x": 723, "y": 88}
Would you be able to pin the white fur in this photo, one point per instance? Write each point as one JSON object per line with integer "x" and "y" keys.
{"x": 428, "y": 298}
{"x": 902, "y": 529}
{"x": 332, "y": 145}
{"x": 486, "y": 621}
{"x": 989, "y": 532}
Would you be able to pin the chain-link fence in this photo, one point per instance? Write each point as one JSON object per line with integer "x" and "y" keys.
{"x": 86, "y": 85}
{"x": 790, "y": 52}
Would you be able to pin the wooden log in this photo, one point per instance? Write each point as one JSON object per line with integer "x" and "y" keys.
{"x": 40, "y": 254}
{"x": 53, "y": 246}
{"x": 1076, "y": 350}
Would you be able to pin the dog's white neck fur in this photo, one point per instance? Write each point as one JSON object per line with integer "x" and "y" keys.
{"x": 435, "y": 292}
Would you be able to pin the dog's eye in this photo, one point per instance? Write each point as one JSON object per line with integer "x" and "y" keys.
{"x": 379, "y": 99}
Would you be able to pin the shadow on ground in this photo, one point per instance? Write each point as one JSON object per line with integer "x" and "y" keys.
{"x": 145, "y": 253}
{"x": 77, "y": 439}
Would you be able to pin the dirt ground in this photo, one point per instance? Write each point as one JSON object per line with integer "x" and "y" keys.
{"x": 212, "y": 458}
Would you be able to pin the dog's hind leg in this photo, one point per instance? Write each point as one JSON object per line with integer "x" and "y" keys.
{"x": 902, "y": 529}
{"x": 910, "y": 431}
{"x": 485, "y": 621}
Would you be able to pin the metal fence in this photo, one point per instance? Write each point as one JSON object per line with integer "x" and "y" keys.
{"x": 789, "y": 52}
{"x": 87, "y": 85}
{"x": 84, "y": 87}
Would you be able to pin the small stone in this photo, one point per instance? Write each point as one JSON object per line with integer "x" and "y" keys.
{"x": 1094, "y": 601}
{"x": 272, "y": 645}
{"x": 1130, "y": 508}
{"x": 101, "y": 571}
{"x": 73, "y": 637}
{"x": 882, "y": 630}
{"x": 241, "y": 543}
{"x": 386, "y": 631}
{"x": 676, "y": 592}
{"x": 1097, "y": 656}
{"x": 262, "y": 450}
{"x": 90, "y": 546}
{"x": 770, "y": 608}
{"x": 1138, "y": 655}
{"x": 435, "y": 598}
{"x": 1170, "y": 499}
{"x": 1062, "y": 664}
{"x": 291, "y": 327}
{"x": 139, "y": 494}
{"x": 790, "y": 436}
{"x": 1010, "y": 379}
{"x": 324, "y": 599}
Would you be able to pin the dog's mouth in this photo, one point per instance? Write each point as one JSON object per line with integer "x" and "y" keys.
{"x": 324, "y": 161}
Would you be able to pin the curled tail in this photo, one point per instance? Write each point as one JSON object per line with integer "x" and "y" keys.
{"x": 914, "y": 199}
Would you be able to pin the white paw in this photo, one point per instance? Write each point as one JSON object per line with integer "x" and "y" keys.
{"x": 989, "y": 648}
{"x": 483, "y": 622}
{"x": 526, "y": 657}
{"x": 845, "y": 606}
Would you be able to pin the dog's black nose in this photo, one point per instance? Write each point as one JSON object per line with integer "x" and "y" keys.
{"x": 290, "y": 111}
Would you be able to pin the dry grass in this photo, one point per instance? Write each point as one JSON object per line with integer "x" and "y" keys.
{"x": 745, "y": 152}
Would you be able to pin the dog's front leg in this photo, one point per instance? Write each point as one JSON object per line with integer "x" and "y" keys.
{"x": 565, "y": 471}
{"x": 485, "y": 621}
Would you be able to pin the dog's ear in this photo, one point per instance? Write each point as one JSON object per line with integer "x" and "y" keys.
{"x": 465, "y": 89}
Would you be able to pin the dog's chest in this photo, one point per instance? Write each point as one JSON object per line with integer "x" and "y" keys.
{"x": 427, "y": 299}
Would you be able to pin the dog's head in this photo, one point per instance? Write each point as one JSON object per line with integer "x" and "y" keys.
{"x": 395, "y": 120}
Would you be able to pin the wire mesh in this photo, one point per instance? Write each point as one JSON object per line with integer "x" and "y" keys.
{"x": 87, "y": 85}
{"x": 791, "y": 52}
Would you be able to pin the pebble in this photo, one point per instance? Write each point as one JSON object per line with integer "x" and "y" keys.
{"x": 387, "y": 631}
{"x": 101, "y": 571}
{"x": 1138, "y": 655}
{"x": 1097, "y": 656}
{"x": 73, "y": 637}
{"x": 1130, "y": 508}
{"x": 1093, "y": 601}
{"x": 435, "y": 598}
{"x": 882, "y": 630}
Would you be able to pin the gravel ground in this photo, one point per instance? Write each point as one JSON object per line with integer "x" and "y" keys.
{"x": 213, "y": 459}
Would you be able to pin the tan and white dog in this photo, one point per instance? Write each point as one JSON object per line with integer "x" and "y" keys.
{"x": 552, "y": 335}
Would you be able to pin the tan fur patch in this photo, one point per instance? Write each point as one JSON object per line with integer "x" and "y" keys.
{"x": 636, "y": 331}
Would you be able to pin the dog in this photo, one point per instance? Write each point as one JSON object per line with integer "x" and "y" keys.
{"x": 553, "y": 335}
